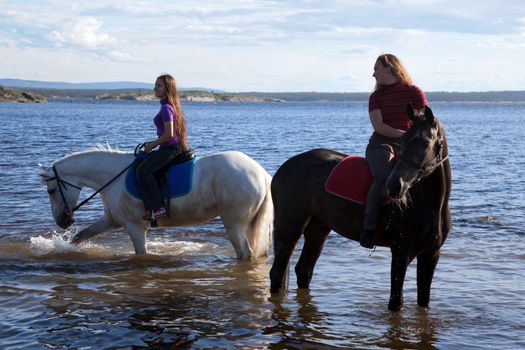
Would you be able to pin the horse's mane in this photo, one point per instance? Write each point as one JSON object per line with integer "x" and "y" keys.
{"x": 45, "y": 169}
{"x": 97, "y": 148}
{"x": 104, "y": 148}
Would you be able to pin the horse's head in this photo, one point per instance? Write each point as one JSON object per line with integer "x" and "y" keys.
{"x": 63, "y": 195}
{"x": 422, "y": 151}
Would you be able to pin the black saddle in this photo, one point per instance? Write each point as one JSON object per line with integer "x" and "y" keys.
{"x": 162, "y": 174}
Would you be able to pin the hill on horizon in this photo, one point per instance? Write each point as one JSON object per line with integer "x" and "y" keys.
{"x": 21, "y": 83}
{"x": 113, "y": 85}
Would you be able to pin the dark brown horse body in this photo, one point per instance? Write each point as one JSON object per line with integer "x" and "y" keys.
{"x": 415, "y": 224}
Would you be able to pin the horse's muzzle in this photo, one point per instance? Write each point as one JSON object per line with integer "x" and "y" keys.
{"x": 65, "y": 220}
{"x": 396, "y": 187}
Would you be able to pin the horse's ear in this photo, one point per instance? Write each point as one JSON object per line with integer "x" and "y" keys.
{"x": 44, "y": 174}
{"x": 429, "y": 115}
{"x": 410, "y": 111}
{"x": 44, "y": 178}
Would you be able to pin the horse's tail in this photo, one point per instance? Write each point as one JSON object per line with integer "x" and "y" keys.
{"x": 261, "y": 226}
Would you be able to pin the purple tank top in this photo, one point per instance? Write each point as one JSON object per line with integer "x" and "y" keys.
{"x": 165, "y": 114}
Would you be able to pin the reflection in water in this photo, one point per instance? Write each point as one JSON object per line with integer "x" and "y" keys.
{"x": 404, "y": 332}
{"x": 156, "y": 301}
{"x": 300, "y": 325}
{"x": 195, "y": 294}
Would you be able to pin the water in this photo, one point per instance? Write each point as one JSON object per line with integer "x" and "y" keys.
{"x": 190, "y": 292}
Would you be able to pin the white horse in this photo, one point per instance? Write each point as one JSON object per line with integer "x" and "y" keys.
{"x": 227, "y": 184}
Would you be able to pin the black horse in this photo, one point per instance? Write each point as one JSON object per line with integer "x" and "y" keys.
{"x": 416, "y": 223}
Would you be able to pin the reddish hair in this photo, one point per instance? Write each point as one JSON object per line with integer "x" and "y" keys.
{"x": 179, "y": 122}
{"x": 396, "y": 67}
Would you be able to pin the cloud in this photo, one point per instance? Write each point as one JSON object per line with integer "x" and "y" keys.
{"x": 123, "y": 56}
{"x": 83, "y": 32}
{"x": 360, "y": 50}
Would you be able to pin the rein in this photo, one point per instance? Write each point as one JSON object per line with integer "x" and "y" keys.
{"x": 63, "y": 183}
{"x": 425, "y": 169}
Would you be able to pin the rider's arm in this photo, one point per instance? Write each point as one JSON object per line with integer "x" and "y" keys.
{"x": 168, "y": 134}
{"x": 376, "y": 118}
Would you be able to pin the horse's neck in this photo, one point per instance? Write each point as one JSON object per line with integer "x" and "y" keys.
{"x": 436, "y": 186}
{"x": 94, "y": 169}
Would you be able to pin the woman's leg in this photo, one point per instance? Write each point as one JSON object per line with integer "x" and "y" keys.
{"x": 380, "y": 159}
{"x": 147, "y": 184}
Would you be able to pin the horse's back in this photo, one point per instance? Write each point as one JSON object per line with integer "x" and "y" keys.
{"x": 298, "y": 185}
{"x": 233, "y": 173}
{"x": 233, "y": 163}
{"x": 305, "y": 169}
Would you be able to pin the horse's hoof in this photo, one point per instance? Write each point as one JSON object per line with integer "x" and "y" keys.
{"x": 395, "y": 306}
{"x": 423, "y": 304}
{"x": 79, "y": 238}
{"x": 275, "y": 289}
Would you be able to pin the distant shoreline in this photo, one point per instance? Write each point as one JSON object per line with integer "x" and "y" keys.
{"x": 9, "y": 94}
{"x": 432, "y": 96}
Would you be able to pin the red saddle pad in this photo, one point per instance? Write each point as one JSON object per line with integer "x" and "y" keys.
{"x": 351, "y": 179}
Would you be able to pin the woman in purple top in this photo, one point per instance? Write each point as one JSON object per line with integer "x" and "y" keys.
{"x": 172, "y": 141}
{"x": 387, "y": 109}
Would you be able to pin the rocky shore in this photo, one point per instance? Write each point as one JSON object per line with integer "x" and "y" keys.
{"x": 43, "y": 95}
{"x": 192, "y": 96}
{"x": 13, "y": 95}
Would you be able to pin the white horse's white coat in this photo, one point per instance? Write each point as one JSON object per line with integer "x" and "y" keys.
{"x": 227, "y": 184}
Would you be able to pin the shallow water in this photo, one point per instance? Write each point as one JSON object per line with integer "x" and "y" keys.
{"x": 191, "y": 292}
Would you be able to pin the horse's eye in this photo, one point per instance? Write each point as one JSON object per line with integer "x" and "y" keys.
{"x": 51, "y": 191}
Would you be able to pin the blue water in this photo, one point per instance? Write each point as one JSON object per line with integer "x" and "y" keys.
{"x": 191, "y": 291}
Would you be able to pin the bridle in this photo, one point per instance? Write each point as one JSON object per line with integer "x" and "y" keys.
{"x": 62, "y": 187}
{"x": 62, "y": 183}
{"x": 428, "y": 167}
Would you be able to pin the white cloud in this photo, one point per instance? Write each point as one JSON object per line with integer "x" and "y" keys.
{"x": 84, "y": 32}
{"x": 360, "y": 50}
{"x": 123, "y": 56}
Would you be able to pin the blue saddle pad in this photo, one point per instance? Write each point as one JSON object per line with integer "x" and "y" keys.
{"x": 180, "y": 178}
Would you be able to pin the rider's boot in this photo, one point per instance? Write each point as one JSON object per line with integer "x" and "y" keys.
{"x": 367, "y": 238}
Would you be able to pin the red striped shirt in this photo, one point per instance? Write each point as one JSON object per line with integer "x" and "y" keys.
{"x": 392, "y": 100}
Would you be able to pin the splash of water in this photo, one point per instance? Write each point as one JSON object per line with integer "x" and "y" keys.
{"x": 57, "y": 243}
{"x": 180, "y": 247}
{"x": 61, "y": 242}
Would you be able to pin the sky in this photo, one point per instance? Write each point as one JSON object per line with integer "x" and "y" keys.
{"x": 266, "y": 45}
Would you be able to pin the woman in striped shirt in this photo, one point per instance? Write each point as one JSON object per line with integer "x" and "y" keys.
{"x": 387, "y": 110}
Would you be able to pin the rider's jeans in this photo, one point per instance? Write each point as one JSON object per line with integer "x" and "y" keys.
{"x": 147, "y": 184}
{"x": 380, "y": 156}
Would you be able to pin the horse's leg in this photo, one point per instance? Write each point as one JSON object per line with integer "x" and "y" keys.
{"x": 315, "y": 235}
{"x": 137, "y": 233}
{"x": 285, "y": 237}
{"x": 102, "y": 225}
{"x": 398, "y": 269}
{"x": 237, "y": 234}
{"x": 426, "y": 265}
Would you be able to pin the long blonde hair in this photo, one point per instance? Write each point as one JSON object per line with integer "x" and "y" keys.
{"x": 396, "y": 67}
{"x": 179, "y": 122}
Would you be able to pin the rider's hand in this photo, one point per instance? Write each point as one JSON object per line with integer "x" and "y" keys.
{"x": 149, "y": 146}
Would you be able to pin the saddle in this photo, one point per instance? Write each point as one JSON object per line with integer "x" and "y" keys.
{"x": 175, "y": 179}
{"x": 351, "y": 179}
